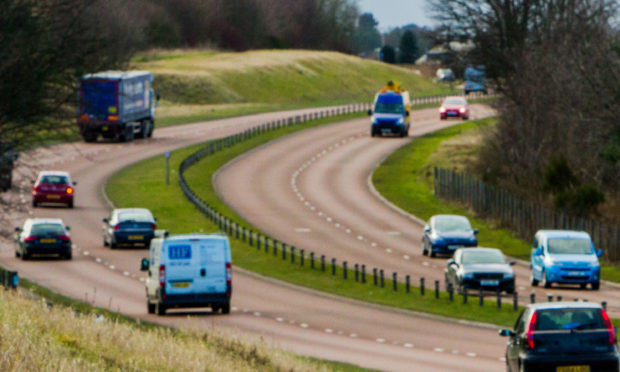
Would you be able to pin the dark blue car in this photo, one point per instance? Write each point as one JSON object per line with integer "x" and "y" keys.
{"x": 129, "y": 226}
{"x": 446, "y": 233}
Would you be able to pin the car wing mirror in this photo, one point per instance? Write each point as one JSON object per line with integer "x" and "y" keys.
{"x": 506, "y": 333}
{"x": 452, "y": 262}
{"x": 599, "y": 252}
{"x": 74, "y": 183}
{"x": 32, "y": 181}
{"x": 475, "y": 231}
{"x": 407, "y": 113}
{"x": 144, "y": 264}
{"x": 105, "y": 220}
{"x": 18, "y": 229}
{"x": 369, "y": 112}
{"x": 512, "y": 263}
{"x": 538, "y": 252}
{"x": 68, "y": 228}
{"x": 427, "y": 229}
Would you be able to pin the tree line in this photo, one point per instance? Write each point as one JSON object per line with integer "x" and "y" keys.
{"x": 557, "y": 65}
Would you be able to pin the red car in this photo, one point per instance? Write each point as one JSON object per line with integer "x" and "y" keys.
{"x": 53, "y": 187}
{"x": 454, "y": 107}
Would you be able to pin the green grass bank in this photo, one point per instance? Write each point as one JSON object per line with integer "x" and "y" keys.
{"x": 406, "y": 179}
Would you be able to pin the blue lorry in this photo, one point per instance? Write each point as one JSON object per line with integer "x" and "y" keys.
{"x": 475, "y": 80}
{"x": 116, "y": 105}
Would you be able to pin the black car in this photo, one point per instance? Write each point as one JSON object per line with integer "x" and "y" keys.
{"x": 562, "y": 337}
{"x": 446, "y": 233}
{"x": 129, "y": 226}
{"x": 43, "y": 236}
{"x": 475, "y": 268}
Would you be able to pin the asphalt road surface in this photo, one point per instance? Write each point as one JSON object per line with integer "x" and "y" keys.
{"x": 290, "y": 317}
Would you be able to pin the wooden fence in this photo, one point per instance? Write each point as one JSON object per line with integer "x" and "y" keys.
{"x": 521, "y": 216}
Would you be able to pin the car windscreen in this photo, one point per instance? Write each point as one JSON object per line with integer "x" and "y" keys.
{"x": 135, "y": 217}
{"x": 559, "y": 319}
{"x": 54, "y": 180}
{"x": 47, "y": 229}
{"x": 482, "y": 257}
{"x": 454, "y": 101}
{"x": 570, "y": 246}
{"x": 447, "y": 224}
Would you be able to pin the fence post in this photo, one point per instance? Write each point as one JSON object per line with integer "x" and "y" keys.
{"x": 292, "y": 254}
{"x": 275, "y": 247}
{"x": 312, "y": 260}
{"x": 374, "y": 275}
{"x": 436, "y": 288}
{"x": 422, "y": 286}
{"x": 381, "y": 278}
{"x": 394, "y": 278}
{"x": 464, "y": 295}
{"x": 357, "y": 267}
{"x": 515, "y": 301}
{"x": 499, "y": 299}
{"x": 322, "y": 262}
{"x": 344, "y": 270}
{"x": 283, "y": 252}
{"x": 481, "y": 297}
{"x": 301, "y": 256}
{"x": 532, "y": 297}
{"x": 450, "y": 292}
{"x": 258, "y": 241}
{"x": 363, "y": 274}
{"x": 333, "y": 266}
{"x": 251, "y": 238}
{"x": 407, "y": 283}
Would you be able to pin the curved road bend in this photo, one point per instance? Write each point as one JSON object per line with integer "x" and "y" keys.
{"x": 318, "y": 197}
{"x": 290, "y": 317}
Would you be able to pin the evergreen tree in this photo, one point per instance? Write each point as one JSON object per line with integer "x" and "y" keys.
{"x": 409, "y": 50}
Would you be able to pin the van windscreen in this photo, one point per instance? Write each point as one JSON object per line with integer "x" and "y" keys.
{"x": 180, "y": 252}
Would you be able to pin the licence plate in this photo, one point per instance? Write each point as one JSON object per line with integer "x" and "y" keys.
{"x": 180, "y": 284}
{"x": 489, "y": 282}
{"x": 53, "y": 196}
{"x": 452, "y": 114}
{"x": 455, "y": 246}
{"x": 573, "y": 369}
{"x": 48, "y": 240}
{"x": 104, "y": 128}
{"x": 575, "y": 273}
{"x": 136, "y": 237}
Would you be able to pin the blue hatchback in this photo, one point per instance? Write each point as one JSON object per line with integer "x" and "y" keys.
{"x": 564, "y": 256}
{"x": 446, "y": 233}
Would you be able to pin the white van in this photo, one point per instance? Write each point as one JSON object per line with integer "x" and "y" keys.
{"x": 191, "y": 270}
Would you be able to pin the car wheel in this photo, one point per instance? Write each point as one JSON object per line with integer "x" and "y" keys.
{"x": 34, "y": 204}
{"x": 461, "y": 289}
{"x": 433, "y": 254}
{"x": 25, "y": 255}
{"x": 583, "y": 285}
{"x": 105, "y": 243}
{"x": 545, "y": 282}
{"x": 150, "y": 308}
{"x": 372, "y": 132}
{"x": 424, "y": 249}
{"x": 70, "y": 205}
{"x": 160, "y": 309}
{"x": 533, "y": 280}
{"x": 226, "y": 308}
{"x": 17, "y": 254}
{"x": 595, "y": 285}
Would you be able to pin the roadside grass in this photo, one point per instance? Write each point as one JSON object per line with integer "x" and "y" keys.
{"x": 143, "y": 184}
{"x": 406, "y": 179}
{"x": 39, "y": 336}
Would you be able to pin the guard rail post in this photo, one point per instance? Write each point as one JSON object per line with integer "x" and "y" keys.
{"x": 394, "y": 281}
{"x": 333, "y": 266}
{"x": 407, "y": 283}
{"x": 344, "y": 270}
{"x": 422, "y": 286}
{"x": 363, "y": 273}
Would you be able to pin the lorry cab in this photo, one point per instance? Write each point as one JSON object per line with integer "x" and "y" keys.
{"x": 391, "y": 112}
{"x": 188, "y": 271}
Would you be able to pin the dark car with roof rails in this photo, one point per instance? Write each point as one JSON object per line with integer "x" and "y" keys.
{"x": 562, "y": 337}
{"x": 129, "y": 227}
{"x": 43, "y": 236}
{"x": 445, "y": 233}
{"x": 475, "y": 268}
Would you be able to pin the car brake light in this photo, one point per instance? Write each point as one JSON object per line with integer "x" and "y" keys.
{"x": 162, "y": 275}
{"x": 64, "y": 238}
{"x": 30, "y": 239}
{"x": 69, "y": 190}
{"x": 117, "y": 227}
{"x": 610, "y": 327}
{"x": 154, "y": 226}
{"x": 228, "y": 273}
{"x": 530, "y": 331}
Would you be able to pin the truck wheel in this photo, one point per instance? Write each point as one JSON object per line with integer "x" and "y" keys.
{"x": 149, "y": 134}
{"x": 143, "y": 129}
{"x": 89, "y": 137}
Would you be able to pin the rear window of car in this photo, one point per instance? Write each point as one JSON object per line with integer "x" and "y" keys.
{"x": 570, "y": 246}
{"x": 47, "y": 228}
{"x": 567, "y": 319}
{"x": 54, "y": 180}
{"x": 135, "y": 216}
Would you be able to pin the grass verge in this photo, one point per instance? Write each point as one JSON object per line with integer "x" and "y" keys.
{"x": 61, "y": 334}
{"x": 143, "y": 184}
{"x": 406, "y": 179}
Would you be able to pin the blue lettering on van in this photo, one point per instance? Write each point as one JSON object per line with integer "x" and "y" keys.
{"x": 180, "y": 252}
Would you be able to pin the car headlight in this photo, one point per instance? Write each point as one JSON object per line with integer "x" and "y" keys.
{"x": 595, "y": 264}
{"x": 462, "y": 110}
{"x": 373, "y": 120}
{"x": 509, "y": 275}
{"x": 468, "y": 275}
{"x": 442, "y": 109}
{"x": 401, "y": 121}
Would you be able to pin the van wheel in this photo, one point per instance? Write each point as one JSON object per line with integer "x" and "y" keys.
{"x": 160, "y": 309}
{"x": 545, "y": 283}
{"x": 225, "y": 308}
{"x": 595, "y": 285}
{"x": 150, "y": 308}
{"x": 533, "y": 281}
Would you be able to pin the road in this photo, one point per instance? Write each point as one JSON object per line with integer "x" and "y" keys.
{"x": 319, "y": 198}
{"x": 290, "y": 317}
